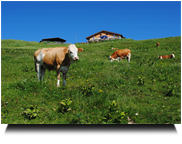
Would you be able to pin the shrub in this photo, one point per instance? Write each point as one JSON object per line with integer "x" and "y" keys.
{"x": 31, "y": 112}
{"x": 64, "y": 106}
{"x": 113, "y": 115}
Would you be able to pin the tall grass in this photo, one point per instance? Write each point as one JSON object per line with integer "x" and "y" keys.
{"x": 147, "y": 90}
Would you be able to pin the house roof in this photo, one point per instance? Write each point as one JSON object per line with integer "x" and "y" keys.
{"x": 53, "y": 39}
{"x": 104, "y": 31}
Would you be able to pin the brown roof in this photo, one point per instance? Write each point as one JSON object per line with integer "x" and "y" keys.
{"x": 104, "y": 31}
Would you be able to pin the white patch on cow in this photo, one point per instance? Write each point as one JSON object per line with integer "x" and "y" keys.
{"x": 40, "y": 57}
{"x": 173, "y": 56}
{"x": 37, "y": 67}
{"x": 118, "y": 58}
{"x": 64, "y": 69}
{"x": 129, "y": 56}
{"x": 58, "y": 83}
{"x": 160, "y": 57}
{"x": 72, "y": 53}
{"x": 110, "y": 59}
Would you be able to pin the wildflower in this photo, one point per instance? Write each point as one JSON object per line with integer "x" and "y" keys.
{"x": 100, "y": 90}
{"x": 163, "y": 106}
{"x": 136, "y": 114}
{"x": 6, "y": 102}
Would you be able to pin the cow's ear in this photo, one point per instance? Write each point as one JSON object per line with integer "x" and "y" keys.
{"x": 67, "y": 50}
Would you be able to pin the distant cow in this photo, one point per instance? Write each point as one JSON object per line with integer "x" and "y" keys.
{"x": 114, "y": 48}
{"x": 166, "y": 56}
{"x": 120, "y": 54}
{"x": 80, "y": 49}
{"x": 157, "y": 44}
{"x": 58, "y": 59}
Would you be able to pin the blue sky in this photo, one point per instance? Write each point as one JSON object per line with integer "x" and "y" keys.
{"x": 138, "y": 20}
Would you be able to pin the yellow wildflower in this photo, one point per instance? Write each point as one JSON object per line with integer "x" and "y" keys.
{"x": 100, "y": 90}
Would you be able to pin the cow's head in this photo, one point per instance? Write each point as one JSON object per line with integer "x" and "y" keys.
{"x": 172, "y": 56}
{"x": 112, "y": 59}
{"x": 72, "y": 53}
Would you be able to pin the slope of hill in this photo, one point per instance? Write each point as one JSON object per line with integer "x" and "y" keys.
{"x": 146, "y": 90}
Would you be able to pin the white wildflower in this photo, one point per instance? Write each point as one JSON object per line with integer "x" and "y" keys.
{"x": 136, "y": 114}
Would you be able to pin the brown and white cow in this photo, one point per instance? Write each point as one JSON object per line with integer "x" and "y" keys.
{"x": 157, "y": 44}
{"x": 80, "y": 49}
{"x": 166, "y": 56}
{"x": 120, "y": 54}
{"x": 58, "y": 59}
{"x": 114, "y": 48}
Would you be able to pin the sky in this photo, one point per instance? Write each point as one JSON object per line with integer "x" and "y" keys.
{"x": 138, "y": 20}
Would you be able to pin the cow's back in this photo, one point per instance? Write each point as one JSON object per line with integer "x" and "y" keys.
{"x": 123, "y": 52}
{"x": 39, "y": 50}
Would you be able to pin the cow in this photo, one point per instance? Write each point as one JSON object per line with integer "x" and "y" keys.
{"x": 120, "y": 54}
{"x": 80, "y": 49}
{"x": 58, "y": 59}
{"x": 157, "y": 44}
{"x": 166, "y": 56}
{"x": 114, "y": 48}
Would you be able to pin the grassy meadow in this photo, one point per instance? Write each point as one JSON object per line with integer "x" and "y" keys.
{"x": 145, "y": 91}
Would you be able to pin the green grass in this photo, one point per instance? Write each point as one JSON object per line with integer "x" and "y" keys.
{"x": 148, "y": 90}
{"x": 20, "y": 44}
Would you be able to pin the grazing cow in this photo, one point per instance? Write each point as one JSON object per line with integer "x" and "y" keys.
{"x": 58, "y": 59}
{"x": 120, "y": 54}
{"x": 80, "y": 49}
{"x": 114, "y": 48}
{"x": 157, "y": 44}
{"x": 166, "y": 56}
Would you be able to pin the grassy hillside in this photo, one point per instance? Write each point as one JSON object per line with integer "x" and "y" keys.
{"x": 20, "y": 44}
{"x": 145, "y": 91}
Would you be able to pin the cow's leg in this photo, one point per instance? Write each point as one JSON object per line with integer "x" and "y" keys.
{"x": 58, "y": 75}
{"x": 120, "y": 58}
{"x": 129, "y": 56}
{"x": 38, "y": 71}
{"x": 64, "y": 79}
{"x": 42, "y": 72}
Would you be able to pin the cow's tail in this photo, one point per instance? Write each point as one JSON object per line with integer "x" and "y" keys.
{"x": 35, "y": 63}
{"x": 157, "y": 55}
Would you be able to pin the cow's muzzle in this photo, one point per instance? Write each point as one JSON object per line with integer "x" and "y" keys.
{"x": 76, "y": 58}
